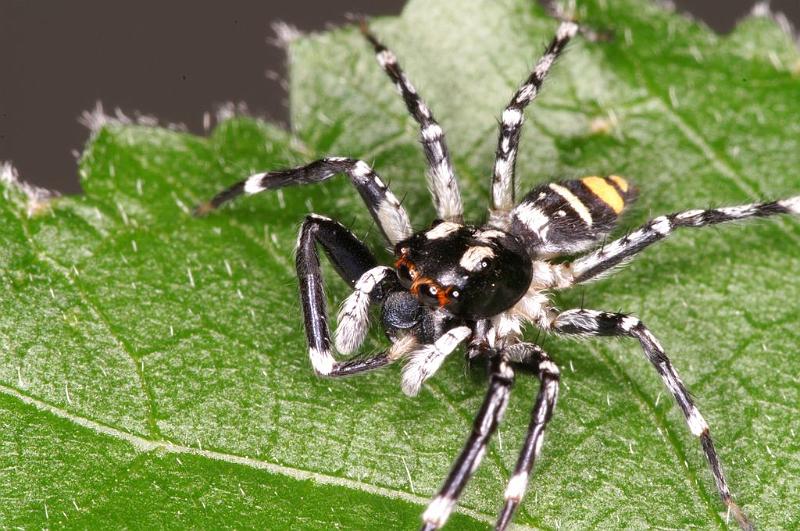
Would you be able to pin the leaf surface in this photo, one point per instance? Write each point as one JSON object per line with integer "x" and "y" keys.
{"x": 152, "y": 365}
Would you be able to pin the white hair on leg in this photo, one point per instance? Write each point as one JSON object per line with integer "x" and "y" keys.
{"x": 353, "y": 319}
{"x": 792, "y": 204}
{"x": 321, "y": 360}
{"x": 424, "y": 362}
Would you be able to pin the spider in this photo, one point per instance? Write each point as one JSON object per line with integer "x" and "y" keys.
{"x": 456, "y": 282}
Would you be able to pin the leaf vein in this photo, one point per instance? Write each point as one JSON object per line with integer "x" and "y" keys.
{"x": 143, "y": 444}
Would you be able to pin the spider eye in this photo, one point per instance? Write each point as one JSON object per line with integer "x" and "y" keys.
{"x": 429, "y": 294}
{"x": 404, "y": 272}
{"x": 455, "y": 294}
{"x": 484, "y": 264}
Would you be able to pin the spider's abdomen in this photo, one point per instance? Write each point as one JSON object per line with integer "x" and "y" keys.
{"x": 567, "y": 217}
{"x": 471, "y": 272}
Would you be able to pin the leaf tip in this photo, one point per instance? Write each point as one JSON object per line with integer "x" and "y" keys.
{"x": 230, "y": 110}
{"x": 283, "y": 34}
{"x": 764, "y": 10}
{"x": 37, "y": 199}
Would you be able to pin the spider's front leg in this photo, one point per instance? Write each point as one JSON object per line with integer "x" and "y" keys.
{"x": 441, "y": 176}
{"x": 382, "y": 204}
{"x": 594, "y": 323}
{"x": 502, "y": 200}
{"x": 356, "y": 265}
{"x": 535, "y": 357}
{"x": 491, "y": 412}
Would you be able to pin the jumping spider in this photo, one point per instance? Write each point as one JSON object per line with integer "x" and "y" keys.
{"x": 456, "y": 282}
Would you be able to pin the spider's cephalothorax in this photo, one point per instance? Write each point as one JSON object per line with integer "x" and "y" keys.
{"x": 470, "y": 272}
{"x": 481, "y": 284}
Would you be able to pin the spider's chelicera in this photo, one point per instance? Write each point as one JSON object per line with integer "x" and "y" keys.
{"x": 481, "y": 284}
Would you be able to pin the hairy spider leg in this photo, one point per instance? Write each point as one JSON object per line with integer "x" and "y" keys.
{"x": 441, "y": 177}
{"x": 386, "y": 210}
{"x": 604, "y": 260}
{"x": 502, "y": 200}
{"x": 549, "y": 375}
{"x": 594, "y": 323}
{"x": 489, "y": 416}
{"x": 352, "y": 260}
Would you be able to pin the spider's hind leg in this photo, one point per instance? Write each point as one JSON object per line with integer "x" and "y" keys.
{"x": 617, "y": 252}
{"x": 355, "y": 264}
{"x": 594, "y": 323}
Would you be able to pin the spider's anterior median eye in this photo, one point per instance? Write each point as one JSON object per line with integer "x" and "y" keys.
{"x": 429, "y": 294}
{"x": 406, "y": 271}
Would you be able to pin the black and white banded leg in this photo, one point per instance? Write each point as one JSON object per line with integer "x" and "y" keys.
{"x": 548, "y": 373}
{"x": 597, "y": 263}
{"x": 386, "y": 210}
{"x": 489, "y": 416}
{"x": 441, "y": 176}
{"x": 353, "y": 261}
{"x": 594, "y": 323}
{"x": 511, "y": 124}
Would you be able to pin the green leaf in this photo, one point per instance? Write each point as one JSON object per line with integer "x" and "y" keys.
{"x": 152, "y": 366}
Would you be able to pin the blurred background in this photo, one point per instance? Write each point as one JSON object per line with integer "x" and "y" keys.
{"x": 174, "y": 60}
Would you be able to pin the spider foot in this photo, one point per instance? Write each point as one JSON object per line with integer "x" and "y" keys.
{"x": 568, "y": 12}
{"x": 203, "y": 209}
{"x": 739, "y": 516}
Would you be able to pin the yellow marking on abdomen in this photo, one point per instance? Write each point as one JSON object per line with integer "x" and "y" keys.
{"x": 619, "y": 181}
{"x": 605, "y": 192}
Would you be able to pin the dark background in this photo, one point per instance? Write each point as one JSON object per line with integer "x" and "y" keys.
{"x": 175, "y": 60}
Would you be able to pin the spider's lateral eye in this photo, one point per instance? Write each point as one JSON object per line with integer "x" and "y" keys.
{"x": 484, "y": 264}
{"x": 455, "y": 294}
{"x": 433, "y": 290}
